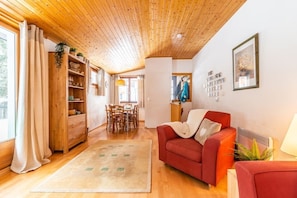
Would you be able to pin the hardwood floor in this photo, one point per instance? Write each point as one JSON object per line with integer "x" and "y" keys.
{"x": 167, "y": 182}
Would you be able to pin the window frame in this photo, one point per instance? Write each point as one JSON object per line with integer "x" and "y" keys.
{"x": 129, "y": 88}
{"x": 8, "y": 146}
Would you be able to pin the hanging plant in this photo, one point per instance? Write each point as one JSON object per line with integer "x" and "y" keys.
{"x": 59, "y": 52}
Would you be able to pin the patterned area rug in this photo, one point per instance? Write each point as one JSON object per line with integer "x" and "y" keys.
{"x": 107, "y": 166}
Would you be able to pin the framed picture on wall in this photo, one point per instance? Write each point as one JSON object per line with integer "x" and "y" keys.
{"x": 246, "y": 64}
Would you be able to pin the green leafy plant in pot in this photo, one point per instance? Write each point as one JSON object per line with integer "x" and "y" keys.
{"x": 59, "y": 52}
{"x": 72, "y": 50}
{"x": 80, "y": 55}
{"x": 243, "y": 153}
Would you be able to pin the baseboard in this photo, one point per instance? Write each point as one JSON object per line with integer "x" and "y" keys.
{"x": 5, "y": 171}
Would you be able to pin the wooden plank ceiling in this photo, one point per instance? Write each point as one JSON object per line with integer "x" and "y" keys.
{"x": 118, "y": 35}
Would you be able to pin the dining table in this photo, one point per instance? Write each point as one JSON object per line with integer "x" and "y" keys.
{"x": 121, "y": 114}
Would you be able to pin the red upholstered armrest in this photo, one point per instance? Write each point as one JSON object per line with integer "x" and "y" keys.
{"x": 261, "y": 179}
{"x": 217, "y": 155}
{"x": 165, "y": 133}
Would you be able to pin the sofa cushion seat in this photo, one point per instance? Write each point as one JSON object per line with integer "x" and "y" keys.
{"x": 188, "y": 148}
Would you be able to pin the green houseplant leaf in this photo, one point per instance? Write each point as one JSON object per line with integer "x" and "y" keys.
{"x": 255, "y": 149}
{"x": 243, "y": 153}
{"x": 79, "y": 54}
{"x": 59, "y": 52}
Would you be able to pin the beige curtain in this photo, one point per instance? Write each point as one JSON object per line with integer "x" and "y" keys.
{"x": 116, "y": 91}
{"x": 141, "y": 91}
{"x": 32, "y": 130}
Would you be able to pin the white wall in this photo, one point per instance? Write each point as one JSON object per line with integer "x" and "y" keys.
{"x": 96, "y": 105}
{"x": 182, "y": 66}
{"x": 266, "y": 110}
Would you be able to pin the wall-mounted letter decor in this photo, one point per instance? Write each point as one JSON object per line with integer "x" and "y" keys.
{"x": 214, "y": 85}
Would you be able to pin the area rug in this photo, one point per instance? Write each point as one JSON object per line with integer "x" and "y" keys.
{"x": 107, "y": 166}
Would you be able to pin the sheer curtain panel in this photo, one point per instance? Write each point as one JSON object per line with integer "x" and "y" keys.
{"x": 141, "y": 91}
{"x": 32, "y": 130}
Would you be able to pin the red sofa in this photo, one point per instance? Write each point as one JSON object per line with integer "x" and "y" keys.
{"x": 265, "y": 179}
{"x": 208, "y": 163}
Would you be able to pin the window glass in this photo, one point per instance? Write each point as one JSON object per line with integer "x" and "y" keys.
{"x": 129, "y": 92}
{"x": 7, "y": 83}
{"x": 133, "y": 89}
{"x": 124, "y": 91}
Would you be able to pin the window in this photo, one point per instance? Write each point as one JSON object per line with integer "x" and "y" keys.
{"x": 7, "y": 83}
{"x": 129, "y": 92}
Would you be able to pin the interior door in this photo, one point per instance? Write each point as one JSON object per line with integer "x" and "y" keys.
{"x": 158, "y": 73}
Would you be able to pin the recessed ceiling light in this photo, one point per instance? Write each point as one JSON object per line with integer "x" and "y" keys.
{"x": 179, "y": 36}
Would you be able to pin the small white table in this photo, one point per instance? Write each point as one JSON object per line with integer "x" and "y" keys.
{"x": 232, "y": 186}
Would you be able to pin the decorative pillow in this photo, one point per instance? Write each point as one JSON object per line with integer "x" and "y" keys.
{"x": 194, "y": 119}
{"x": 206, "y": 129}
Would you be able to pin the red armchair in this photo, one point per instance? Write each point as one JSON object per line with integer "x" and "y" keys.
{"x": 208, "y": 163}
{"x": 265, "y": 179}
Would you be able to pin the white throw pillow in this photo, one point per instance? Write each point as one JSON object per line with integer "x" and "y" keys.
{"x": 194, "y": 119}
{"x": 206, "y": 129}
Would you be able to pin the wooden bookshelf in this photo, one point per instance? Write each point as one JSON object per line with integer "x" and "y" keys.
{"x": 67, "y": 102}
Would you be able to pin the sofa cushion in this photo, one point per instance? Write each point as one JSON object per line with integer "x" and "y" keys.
{"x": 206, "y": 129}
{"x": 188, "y": 148}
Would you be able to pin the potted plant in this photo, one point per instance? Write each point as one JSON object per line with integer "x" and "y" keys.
{"x": 72, "y": 50}
{"x": 59, "y": 52}
{"x": 80, "y": 56}
{"x": 243, "y": 153}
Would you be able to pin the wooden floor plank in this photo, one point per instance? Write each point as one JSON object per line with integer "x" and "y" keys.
{"x": 167, "y": 182}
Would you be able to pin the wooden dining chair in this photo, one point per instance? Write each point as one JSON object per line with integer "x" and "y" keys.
{"x": 118, "y": 117}
{"x": 133, "y": 117}
{"x": 109, "y": 118}
{"x": 136, "y": 115}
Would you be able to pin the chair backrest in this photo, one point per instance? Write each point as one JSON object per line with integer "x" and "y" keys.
{"x": 117, "y": 109}
{"x": 221, "y": 117}
{"x": 107, "y": 110}
{"x": 135, "y": 109}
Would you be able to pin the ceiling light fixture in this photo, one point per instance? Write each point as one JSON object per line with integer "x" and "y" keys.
{"x": 179, "y": 36}
{"x": 120, "y": 82}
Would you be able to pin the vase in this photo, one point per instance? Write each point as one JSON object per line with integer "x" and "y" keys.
{"x": 66, "y": 49}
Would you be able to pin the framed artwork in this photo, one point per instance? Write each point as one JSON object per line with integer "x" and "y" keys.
{"x": 246, "y": 64}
